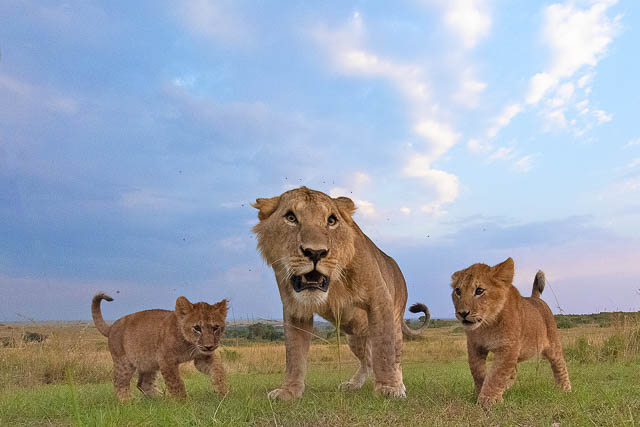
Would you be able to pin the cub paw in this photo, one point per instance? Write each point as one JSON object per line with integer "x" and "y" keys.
{"x": 283, "y": 394}
{"x": 350, "y": 385}
{"x": 397, "y": 392}
{"x": 566, "y": 387}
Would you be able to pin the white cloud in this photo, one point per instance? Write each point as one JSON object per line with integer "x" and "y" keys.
{"x": 634, "y": 163}
{"x": 502, "y": 153}
{"x": 215, "y": 20}
{"x": 478, "y": 146}
{"x": 365, "y": 207}
{"x": 602, "y": 116}
{"x": 504, "y": 119}
{"x": 539, "y": 85}
{"x": 632, "y": 143}
{"x": 524, "y": 164}
{"x": 344, "y": 48}
{"x": 469, "y": 20}
{"x": 405, "y": 210}
{"x": 469, "y": 89}
{"x": 22, "y": 94}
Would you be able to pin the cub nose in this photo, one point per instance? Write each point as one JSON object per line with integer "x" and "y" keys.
{"x": 209, "y": 347}
{"x": 463, "y": 314}
{"x": 314, "y": 255}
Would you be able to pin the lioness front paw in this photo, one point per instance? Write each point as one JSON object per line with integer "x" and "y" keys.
{"x": 397, "y": 392}
{"x": 283, "y": 394}
{"x": 488, "y": 401}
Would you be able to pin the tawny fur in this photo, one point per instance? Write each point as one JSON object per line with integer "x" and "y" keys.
{"x": 366, "y": 297}
{"x": 160, "y": 340}
{"x": 501, "y": 321}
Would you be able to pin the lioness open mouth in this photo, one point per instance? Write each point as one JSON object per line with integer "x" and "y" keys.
{"x": 314, "y": 280}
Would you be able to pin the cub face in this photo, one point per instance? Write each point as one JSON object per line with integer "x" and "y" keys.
{"x": 201, "y": 324}
{"x": 479, "y": 293}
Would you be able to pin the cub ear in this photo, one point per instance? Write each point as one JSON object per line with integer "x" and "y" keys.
{"x": 221, "y": 307}
{"x": 183, "y": 306}
{"x": 504, "y": 271}
{"x": 266, "y": 207}
{"x": 346, "y": 206}
{"x": 454, "y": 277}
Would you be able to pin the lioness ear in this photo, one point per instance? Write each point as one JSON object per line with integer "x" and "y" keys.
{"x": 183, "y": 306}
{"x": 266, "y": 207}
{"x": 221, "y": 306}
{"x": 504, "y": 271}
{"x": 346, "y": 206}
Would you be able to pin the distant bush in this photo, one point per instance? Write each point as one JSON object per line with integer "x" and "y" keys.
{"x": 33, "y": 337}
{"x": 255, "y": 332}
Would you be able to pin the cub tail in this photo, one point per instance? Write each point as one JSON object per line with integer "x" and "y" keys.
{"x": 417, "y": 308}
{"x": 538, "y": 284}
{"x": 101, "y": 325}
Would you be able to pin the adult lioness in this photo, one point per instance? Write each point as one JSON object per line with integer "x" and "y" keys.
{"x": 324, "y": 264}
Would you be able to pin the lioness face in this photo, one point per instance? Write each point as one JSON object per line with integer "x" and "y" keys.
{"x": 306, "y": 236}
{"x": 479, "y": 293}
{"x": 201, "y": 324}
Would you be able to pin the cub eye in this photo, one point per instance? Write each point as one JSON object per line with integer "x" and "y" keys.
{"x": 332, "y": 220}
{"x": 479, "y": 291}
{"x": 458, "y": 291}
{"x": 289, "y": 216}
{"x": 215, "y": 328}
{"x": 197, "y": 328}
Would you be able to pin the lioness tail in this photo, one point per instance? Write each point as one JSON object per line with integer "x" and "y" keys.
{"x": 101, "y": 325}
{"x": 538, "y": 284}
{"x": 417, "y": 308}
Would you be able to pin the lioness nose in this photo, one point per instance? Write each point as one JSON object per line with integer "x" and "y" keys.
{"x": 314, "y": 255}
{"x": 463, "y": 314}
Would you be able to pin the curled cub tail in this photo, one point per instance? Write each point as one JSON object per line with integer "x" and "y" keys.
{"x": 101, "y": 325}
{"x": 417, "y": 308}
{"x": 538, "y": 284}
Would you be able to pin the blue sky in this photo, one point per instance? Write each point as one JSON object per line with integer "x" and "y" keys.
{"x": 134, "y": 136}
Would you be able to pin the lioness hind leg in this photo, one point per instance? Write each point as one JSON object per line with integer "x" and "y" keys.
{"x": 559, "y": 367}
{"x": 361, "y": 348}
{"x": 147, "y": 383}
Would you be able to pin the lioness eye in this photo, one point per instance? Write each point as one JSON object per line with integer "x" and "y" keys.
{"x": 289, "y": 216}
{"x": 479, "y": 291}
{"x": 197, "y": 328}
{"x": 458, "y": 291}
{"x": 332, "y": 220}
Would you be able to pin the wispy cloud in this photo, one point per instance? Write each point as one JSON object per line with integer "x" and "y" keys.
{"x": 468, "y": 20}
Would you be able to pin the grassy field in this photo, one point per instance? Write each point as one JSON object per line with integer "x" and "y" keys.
{"x": 65, "y": 380}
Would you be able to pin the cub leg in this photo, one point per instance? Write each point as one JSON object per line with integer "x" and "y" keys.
{"x": 361, "y": 348}
{"x": 383, "y": 348}
{"x": 171, "y": 375}
{"x": 122, "y": 373}
{"x": 147, "y": 383}
{"x": 297, "y": 338}
{"x": 478, "y": 364}
{"x": 499, "y": 378}
{"x": 212, "y": 366}
{"x": 558, "y": 365}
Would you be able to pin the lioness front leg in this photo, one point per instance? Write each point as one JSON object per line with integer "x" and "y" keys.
{"x": 383, "y": 349}
{"x": 297, "y": 337}
{"x": 361, "y": 348}
{"x": 212, "y": 365}
{"x": 501, "y": 376}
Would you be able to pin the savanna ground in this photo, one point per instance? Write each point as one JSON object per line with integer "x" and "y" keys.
{"x": 66, "y": 380}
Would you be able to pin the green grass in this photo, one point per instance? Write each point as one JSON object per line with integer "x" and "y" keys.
{"x": 440, "y": 393}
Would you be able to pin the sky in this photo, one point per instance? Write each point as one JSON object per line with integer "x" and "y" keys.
{"x": 135, "y": 135}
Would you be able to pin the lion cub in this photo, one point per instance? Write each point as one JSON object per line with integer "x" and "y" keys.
{"x": 497, "y": 319}
{"x": 152, "y": 340}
